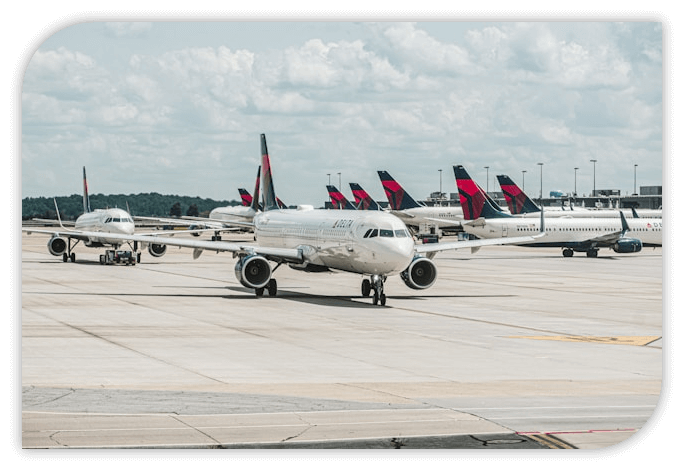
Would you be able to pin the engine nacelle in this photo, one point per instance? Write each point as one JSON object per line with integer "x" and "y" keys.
{"x": 626, "y": 245}
{"x": 57, "y": 245}
{"x": 253, "y": 271}
{"x": 420, "y": 274}
{"x": 192, "y": 227}
{"x": 156, "y": 250}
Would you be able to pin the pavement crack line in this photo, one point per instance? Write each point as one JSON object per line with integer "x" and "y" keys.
{"x": 293, "y": 437}
{"x": 175, "y": 417}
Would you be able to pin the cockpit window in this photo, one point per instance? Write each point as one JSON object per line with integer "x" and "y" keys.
{"x": 400, "y": 233}
{"x": 370, "y": 233}
{"x": 386, "y": 233}
{"x": 108, "y": 220}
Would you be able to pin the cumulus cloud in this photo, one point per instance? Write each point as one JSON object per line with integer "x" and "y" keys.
{"x": 394, "y": 96}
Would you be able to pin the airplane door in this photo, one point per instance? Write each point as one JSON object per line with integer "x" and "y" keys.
{"x": 504, "y": 231}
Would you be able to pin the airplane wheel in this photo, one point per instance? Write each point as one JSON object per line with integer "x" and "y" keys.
{"x": 259, "y": 292}
{"x": 592, "y": 253}
{"x": 73, "y": 257}
{"x": 137, "y": 257}
{"x": 383, "y": 299}
{"x": 272, "y": 287}
{"x": 568, "y": 252}
{"x": 375, "y": 298}
{"x": 365, "y": 288}
{"x": 65, "y": 257}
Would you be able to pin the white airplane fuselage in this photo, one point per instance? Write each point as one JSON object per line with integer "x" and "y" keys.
{"x": 592, "y": 213}
{"x": 565, "y": 231}
{"x": 340, "y": 239}
{"x": 115, "y": 221}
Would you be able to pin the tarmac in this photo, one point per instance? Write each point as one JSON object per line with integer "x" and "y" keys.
{"x": 513, "y": 348}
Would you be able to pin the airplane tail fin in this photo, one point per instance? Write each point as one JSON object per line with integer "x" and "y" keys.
{"x": 280, "y": 203}
{"x": 338, "y": 199}
{"x": 254, "y": 203}
{"x": 516, "y": 199}
{"x": 397, "y": 196}
{"x": 245, "y": 196}
{"x": 474, "y": 201}
{"x": 86, "y": 198}
{"x": 363, "y": 200}
{"x": 270, "y": 202}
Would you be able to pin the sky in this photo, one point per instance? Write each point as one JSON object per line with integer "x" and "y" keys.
{"x": 177, "y": 107}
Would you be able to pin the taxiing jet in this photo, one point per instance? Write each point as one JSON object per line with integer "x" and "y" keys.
{"x": 374, "y": 244}
{"x": 415, "y": 214}
{"x": 95, "y": 228}
{"x": 570, "y": 234}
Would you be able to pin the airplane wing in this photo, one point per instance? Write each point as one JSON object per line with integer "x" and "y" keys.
{"x": 475, "y": 244}
{"x": 81, "y": 235}
{"x": 271, "y": 253}
{"x": 209, "y": 224}
{"x": 53, "y": 222}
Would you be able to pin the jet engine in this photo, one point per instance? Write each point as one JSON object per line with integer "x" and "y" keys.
{"x": 57, "y": 245}
{"x": 253, "y": 271}
{"x": 156, "y": 250}
{"x": 626, "y": 245}
{"x": 420, "y": 274}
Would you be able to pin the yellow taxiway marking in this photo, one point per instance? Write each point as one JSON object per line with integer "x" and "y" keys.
{"x": 638, "y": 341}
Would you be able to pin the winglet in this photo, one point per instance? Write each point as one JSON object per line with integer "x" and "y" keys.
{"x": 267, "y": 179}
{"x": 625, "y": 227}
{"x": 634, "y": 213}
{"x": 57, "y": 209}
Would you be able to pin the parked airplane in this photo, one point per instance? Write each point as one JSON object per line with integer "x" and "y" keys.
{"x": 337, "y": 199}
{"x": 570, "y": 234}
{"x": 522, "y": 205}
{"x": 362, "y": 199}
{"x": 374, "y": 244}
{"x": 94, "y": 228}
{"x": 415, "y": 214}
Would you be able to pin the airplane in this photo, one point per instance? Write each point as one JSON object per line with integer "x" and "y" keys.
{"x": 337, "y": 199}
{"x": 415, "y": 214}
{"x": 570, "y": 234}
{"x": 373, "y": 244}
{"x": 96, "y": 228}
{"x": 362, "y": 199}
{"x": 522, "y": 205}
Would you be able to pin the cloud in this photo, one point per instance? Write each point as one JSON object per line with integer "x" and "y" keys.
{"x": 134, "y": 29}
{"x": 393, "y": 97}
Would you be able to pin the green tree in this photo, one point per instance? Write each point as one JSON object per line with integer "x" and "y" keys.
{"x": 176, "y": 210}
{"x": 192, "y": 210}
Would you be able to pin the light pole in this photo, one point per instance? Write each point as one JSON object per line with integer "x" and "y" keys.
{"x": 635, "y": 166}
{"x": 541, "y": 181}
{"x": 440, "y": 186}
{"x": 524, "y": 172}
{"x": 339, "y": 175}
{"x": 576, "y": 169}
{"x": 487, "y": 168}
{"x": 329, "y": 197}
{"x": 594, "y": 161}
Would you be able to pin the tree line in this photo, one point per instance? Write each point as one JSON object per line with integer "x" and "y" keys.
{"x": 142, "y": 204}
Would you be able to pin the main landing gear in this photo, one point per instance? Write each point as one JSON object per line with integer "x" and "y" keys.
{"x": 376, "y": 283}
{"x": 272, "y": 288}
{"x": 591, "y": 252}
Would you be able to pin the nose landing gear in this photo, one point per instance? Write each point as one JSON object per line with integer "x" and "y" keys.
{"x": 376, "y": 283}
